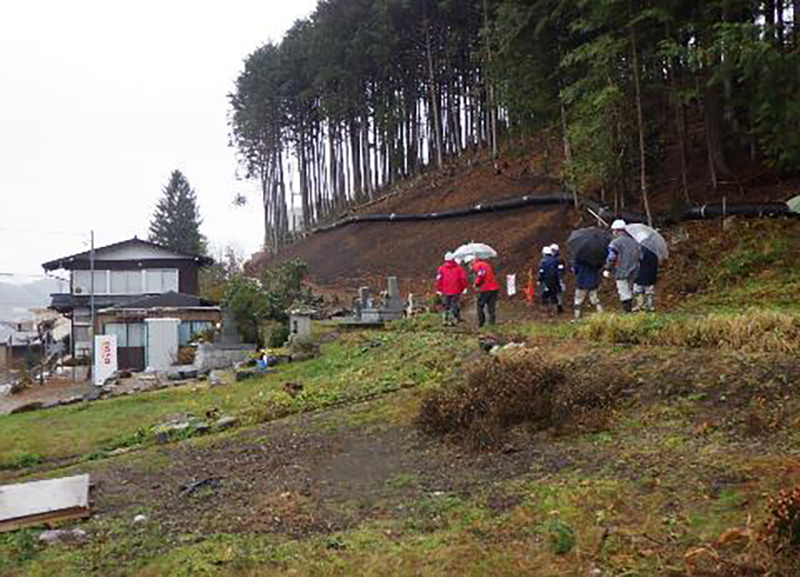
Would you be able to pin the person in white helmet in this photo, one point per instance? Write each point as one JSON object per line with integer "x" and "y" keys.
{"x": 451, "y": 281}
{"x": 556, "y": 250}
{"x": 549, "y": 279}
{"x": 623, "y": 263}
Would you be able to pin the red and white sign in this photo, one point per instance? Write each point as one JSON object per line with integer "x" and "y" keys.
{"x": 105, "y": 358}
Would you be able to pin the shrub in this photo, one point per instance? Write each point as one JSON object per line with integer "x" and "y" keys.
{"x": 505, "y": 391}
{"x": 278, "y": 336}
{"x": 782, "y": 530}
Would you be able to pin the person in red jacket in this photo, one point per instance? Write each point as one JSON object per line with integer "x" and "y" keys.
{"x": 451, "y": 281}
{"x": 487, "y": 287}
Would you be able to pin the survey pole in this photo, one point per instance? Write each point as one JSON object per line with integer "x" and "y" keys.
{"x": 91, "y": 300}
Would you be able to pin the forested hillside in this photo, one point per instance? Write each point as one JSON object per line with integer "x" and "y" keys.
{"x": 637, "y": 96}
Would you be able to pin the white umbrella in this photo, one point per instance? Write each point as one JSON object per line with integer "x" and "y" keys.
{"x": 476, "y": 249}
{"x": 649, "y": 238}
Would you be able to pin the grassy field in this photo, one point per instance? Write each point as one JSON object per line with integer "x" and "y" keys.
{"x": 676, "y": 466}
{"x": 352, "y": 367}
{"x": 674, "y": 477}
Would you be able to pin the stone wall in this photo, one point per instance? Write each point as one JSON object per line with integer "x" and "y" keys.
{"x": 211, "y": 356}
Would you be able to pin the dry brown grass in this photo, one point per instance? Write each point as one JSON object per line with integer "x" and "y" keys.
{"x": 523, "y": 387}
{"x": 753, "y": 330}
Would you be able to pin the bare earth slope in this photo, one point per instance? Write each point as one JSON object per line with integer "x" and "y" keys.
{"x": 368, "y": 252}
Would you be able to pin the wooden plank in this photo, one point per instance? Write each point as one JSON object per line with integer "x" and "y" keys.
{"x": 38, "y": 502}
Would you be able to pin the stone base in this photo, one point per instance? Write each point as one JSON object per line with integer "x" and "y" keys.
{"x": 212, "y": 356}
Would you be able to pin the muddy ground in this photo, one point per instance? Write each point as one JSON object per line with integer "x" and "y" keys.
{"x": 334, "y": 470}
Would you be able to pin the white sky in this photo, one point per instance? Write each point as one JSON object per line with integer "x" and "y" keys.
{"x": 100, "y": 100}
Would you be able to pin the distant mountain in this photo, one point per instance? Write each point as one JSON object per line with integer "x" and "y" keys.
{"x": 16, "y": 299}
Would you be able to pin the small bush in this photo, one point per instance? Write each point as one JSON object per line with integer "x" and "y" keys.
{"x": 782, "y": 530}
{"x": 278, "y": 336}
{"x": 502, "y": 392}
{"x": 560, "y": 537}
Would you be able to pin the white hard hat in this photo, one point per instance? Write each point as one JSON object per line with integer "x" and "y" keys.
{"x": 547, "y": 250}
{"x": 554, "y": 247}
{"x": 449, "y": 256}
{"x": 618, "y": 224}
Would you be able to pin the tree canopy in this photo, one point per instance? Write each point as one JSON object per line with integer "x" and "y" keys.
{"x": 176, "y": 220}
{"x": 364, "y": 93}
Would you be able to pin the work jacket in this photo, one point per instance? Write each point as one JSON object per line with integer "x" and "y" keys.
{"x": 587, "y": 277}
{"x": 623, "y": 257}
{"x": 451, "y": 279}
{"x": 484, "y": 277}
{"x": 648, "y": 268}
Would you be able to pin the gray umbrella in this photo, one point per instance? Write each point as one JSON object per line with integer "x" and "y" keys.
{"x": 649, "y": 238}
{"x": 589, "y": 245}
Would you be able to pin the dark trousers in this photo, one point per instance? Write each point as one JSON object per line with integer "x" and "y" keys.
{"x": 452, "y": 307}
{"x": 487, "y": 300}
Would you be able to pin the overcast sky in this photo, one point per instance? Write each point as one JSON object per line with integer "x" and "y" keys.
{"x": 101, "y": 100}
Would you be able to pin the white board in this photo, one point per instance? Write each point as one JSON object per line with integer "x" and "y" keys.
{"x": 40, "y": 501}
{"x": 105, "y": 358}
{"x": 162, "y": 343}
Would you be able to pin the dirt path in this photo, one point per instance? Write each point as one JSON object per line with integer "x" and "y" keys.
{"x": 326, "y": 472}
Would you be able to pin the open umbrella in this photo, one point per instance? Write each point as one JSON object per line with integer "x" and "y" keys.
{"x": 794, "y": 204}
{"x": 476, "y": 249}
{"x": 649, "y": 238}
{"x": 589, "y": 245}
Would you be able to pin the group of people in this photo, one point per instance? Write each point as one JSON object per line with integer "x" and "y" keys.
{"x": 452, "y": 282}
{"x": 633, "y": 267}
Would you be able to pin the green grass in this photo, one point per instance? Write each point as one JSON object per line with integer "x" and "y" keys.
{"x": 356, "y": 366}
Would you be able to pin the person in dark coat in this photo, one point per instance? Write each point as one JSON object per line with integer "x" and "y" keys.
{"x": 587, "y": 280}
{"x": 644, "y": 287}
{"x": 562, "y": 269}
{"x": 550, "y": 279}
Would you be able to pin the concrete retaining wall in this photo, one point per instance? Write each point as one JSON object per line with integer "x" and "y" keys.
{"x": 209, "y": 356}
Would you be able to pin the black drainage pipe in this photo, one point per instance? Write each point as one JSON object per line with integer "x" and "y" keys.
{"x": 768, "y": 209}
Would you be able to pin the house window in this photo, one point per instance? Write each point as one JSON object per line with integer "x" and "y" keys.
{"x": 126, "y": 282}
{"x": 159, "y": 281}
{"x": 128, "y": 334}
{"x": 120, "y": 331}
{"x": 135, "y": 334}
{"x": 83, "y": 335}
{"x": 82, "y": 282}
{"x": 188, "y": 329}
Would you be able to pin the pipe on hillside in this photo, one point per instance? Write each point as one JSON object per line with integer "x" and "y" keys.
{"x": 768, "y": 209}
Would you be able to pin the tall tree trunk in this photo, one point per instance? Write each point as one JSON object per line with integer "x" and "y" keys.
{"x": 434, "y": 112}
{"x": 355, "y": 155}
{"x": 365, "y": 155}
{"x": 680, "y": 120}
{"x": 640, "y": 123}
{"x": 796, "y": 23}
{"x": 304, "y": 182}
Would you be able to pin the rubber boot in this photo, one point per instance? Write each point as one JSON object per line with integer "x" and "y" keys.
{"x": 599, "y": 308}
{"x": 650, "y": 305}
{"x": 638, "y": 303}
{"x": 577, "y": 316}
{"x": 627, "y": 305}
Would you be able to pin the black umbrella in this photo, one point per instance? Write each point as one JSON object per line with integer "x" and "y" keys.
{"x": 589, "y": 245}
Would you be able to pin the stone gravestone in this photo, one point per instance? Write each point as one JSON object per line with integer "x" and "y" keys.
{"x": 365, "y": 297}
{"x": 229, "y": 334}
{"x": 299, "y": 324}
{"x": 394, "y": 302}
